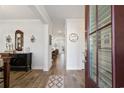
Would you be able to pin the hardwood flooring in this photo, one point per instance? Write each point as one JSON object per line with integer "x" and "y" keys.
{"x": 39, "y": 78}
{"x": 31, "y": 79}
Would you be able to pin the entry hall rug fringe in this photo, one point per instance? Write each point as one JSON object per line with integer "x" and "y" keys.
{"x": 55, "y": 81}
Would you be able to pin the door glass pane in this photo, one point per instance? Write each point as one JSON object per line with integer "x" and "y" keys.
{"x": 92, "y": 18}
{"x": 104, "y": 15}
{"x": 93, "y": 57}
{"x": 105, "y": 57}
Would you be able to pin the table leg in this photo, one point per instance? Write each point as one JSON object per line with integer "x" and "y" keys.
{"x": 6, "y": 74}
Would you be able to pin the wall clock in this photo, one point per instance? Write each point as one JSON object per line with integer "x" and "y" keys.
{"x": 73, "y": 37}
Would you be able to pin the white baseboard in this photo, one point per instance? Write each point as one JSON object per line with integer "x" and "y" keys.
{"x": 37, "y": 67}
{"x": 45, "y": 69}
{"x": 40, "y": 68}
{"x": 72, "y": 68}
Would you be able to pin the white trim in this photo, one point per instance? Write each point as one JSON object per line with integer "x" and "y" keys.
{"x": 20, "y": 20}
{"x": 45, "y": 69}
{"x": 71, "y": 68}
{"x": 37, "y": 67}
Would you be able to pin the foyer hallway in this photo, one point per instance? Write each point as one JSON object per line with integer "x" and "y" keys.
{"x": 72, "y": 78}
{"x": 39, "y": 79}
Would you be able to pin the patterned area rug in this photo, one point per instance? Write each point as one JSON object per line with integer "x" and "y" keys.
{"x": 55, "y": 81}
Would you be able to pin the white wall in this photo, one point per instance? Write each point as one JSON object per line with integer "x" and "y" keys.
{"x": 46, "y": 20}
{"x": 29, "y": 27}
{"x": 74, "y": 50}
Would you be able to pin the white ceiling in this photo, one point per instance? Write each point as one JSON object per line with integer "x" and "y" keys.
{"x": 61, "y": 12}
{"x": 16, "y": 12}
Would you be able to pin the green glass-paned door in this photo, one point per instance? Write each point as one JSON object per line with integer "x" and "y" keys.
{"x": 93, "y": 42}
{"x": 93, "y": 49}
{"x": 100, "y": 45}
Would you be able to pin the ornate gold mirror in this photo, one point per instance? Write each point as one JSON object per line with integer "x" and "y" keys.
{"x": 19, "y": 40}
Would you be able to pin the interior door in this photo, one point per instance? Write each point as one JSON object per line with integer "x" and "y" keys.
{"x": 91, "y": 39}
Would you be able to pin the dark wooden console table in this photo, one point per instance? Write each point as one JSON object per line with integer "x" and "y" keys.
{"x": 21, "y": 61}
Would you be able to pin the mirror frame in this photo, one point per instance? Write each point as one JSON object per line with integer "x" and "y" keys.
{"x": 19, "y": 40}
